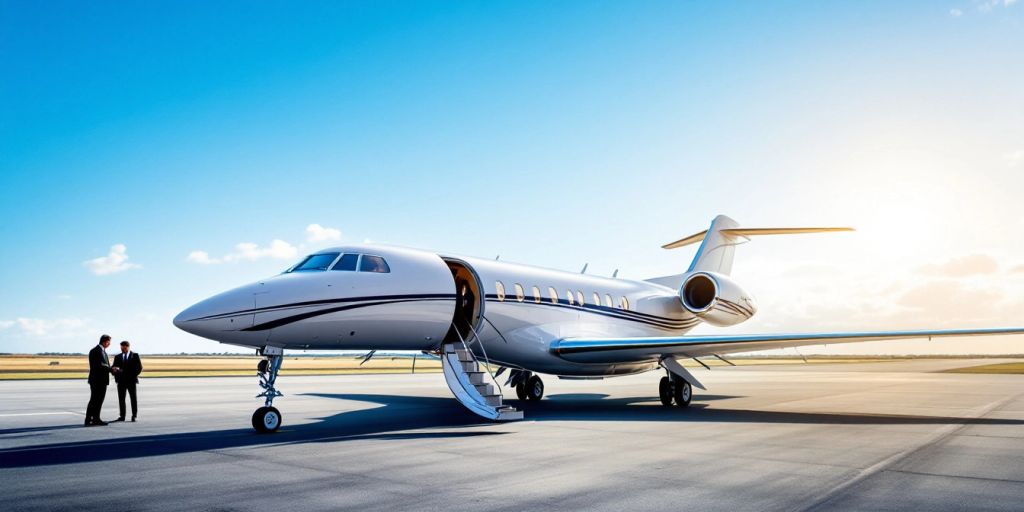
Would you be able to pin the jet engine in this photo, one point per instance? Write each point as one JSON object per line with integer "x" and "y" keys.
{"x": 716, "y": 299}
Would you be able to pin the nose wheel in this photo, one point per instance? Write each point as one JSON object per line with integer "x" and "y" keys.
{"x": 267, "y": 419}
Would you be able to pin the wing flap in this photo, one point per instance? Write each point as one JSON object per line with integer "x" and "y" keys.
{"x": 610, "y": 350}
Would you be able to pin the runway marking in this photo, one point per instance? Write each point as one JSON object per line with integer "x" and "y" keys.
{"x": 981, "y": 478}
{"x": 836, "y": 492}
{"x": 40, "y": 414}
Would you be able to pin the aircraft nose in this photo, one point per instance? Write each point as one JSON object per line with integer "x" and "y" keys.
{"x": 222, "y": 312}
{"x": 191, "y": 313}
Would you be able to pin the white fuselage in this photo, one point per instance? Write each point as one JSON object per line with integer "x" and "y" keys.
{"x": 516, "y": 310}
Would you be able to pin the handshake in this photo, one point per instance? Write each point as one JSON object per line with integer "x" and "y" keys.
{"x": 115, "y": 370}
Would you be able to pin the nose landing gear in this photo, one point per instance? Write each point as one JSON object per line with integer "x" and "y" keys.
{"x": 267, "y": 419}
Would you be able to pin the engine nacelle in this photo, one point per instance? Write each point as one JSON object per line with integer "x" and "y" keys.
{"x": 716, "y": 299}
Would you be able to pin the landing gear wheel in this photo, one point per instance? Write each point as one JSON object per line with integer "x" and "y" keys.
{"x": 521, "y": 391}
{"x": 682, "y": 392}
{"x": 665, "y": 391}
{"x": 266, "y": 420}
{"x": 534, "y": 388}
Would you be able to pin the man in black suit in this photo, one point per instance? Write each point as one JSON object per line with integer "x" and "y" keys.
{"x": 127, "y": 367}
{"x": 99, "y": 379}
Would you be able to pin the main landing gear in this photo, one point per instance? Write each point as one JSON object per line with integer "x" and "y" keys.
{"x": 528, "y": 386}
{"x": 267, "y": 419}
{"x": 673, "y": 389}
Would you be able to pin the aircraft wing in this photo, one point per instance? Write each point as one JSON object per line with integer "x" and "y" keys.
{"x": 612, "y": 350}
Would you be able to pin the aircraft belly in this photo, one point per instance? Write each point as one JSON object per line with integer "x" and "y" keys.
{"x": 528, "y": 330}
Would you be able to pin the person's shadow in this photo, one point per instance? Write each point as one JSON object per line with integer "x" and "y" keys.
{"x": 417, "y": 417}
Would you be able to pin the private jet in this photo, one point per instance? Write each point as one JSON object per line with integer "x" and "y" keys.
{"x": 484, "y": 317}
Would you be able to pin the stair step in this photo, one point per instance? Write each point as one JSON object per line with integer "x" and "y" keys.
{"x": 505, "y": 415}
{"x": 478, "y": 392}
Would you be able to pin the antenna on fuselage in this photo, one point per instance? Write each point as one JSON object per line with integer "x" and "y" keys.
{"x": 584, "y": 271}
{"x": 367, "y": 357}
{"x": 496, "y": 258}
{"x": 615, "y": 274}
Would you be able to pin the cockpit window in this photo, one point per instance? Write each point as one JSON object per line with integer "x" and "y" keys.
{"x": 315, "y": 262}
{"x": 373, "y": 264}
{"x": 347, "y": 262}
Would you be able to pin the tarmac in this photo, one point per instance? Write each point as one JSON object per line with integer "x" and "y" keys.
{"x": 849, "y": 436}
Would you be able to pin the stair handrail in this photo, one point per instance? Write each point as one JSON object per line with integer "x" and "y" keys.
{"x": 487, "y": 360}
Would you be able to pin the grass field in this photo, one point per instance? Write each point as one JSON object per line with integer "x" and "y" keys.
{"x": 77, "y": 367}
{"x": 1016, "y": 368}
{"x": 26, "y": 367}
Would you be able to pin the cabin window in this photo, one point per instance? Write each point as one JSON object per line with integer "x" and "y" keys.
{"x": 500, "y": 289}
{"x": 608, "y": 301}
{"x": 553, "y": 295}
{"x": 347, "y": 262}
{"x": 536, "y": 294}
{"x": 569, "y": 298}
{"x": 373, "y": 264}
{"x": 316, "y": 262}
{"x": 624, "y": 303}
{"x": 597, "y": 299}
{"x": 579, "y": 298}
{"x": 520, "y": 295}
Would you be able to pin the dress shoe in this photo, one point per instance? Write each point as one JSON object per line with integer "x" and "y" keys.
{"x": 133, "y": 419}
{"x": 98, "y": 422}
{"x": 120, "y": 418}
{"x": 88, "y": 422}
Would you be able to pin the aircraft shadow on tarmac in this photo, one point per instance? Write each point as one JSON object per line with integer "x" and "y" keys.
{"x": 417, "y": 417}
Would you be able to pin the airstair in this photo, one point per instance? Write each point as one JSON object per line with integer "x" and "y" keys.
{"x": 474, "y": 387}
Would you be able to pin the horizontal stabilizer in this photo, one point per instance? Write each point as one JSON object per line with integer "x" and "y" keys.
{"x": 745, "y": 232}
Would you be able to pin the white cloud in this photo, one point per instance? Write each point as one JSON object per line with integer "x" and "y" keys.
{"x": 988, "y": 5}
{"x": 1014, "y": 158}
{"x": 974, "y": 264}
{"x": 956, "y": 13}
{"x": 278, "y": 249}
{"x": 115, "y": 261}
{"x": 318, "y": 233}
{"x": 247, "y": 251}
{"x": 202, "y": 258}
{"x": 41, "y": 327}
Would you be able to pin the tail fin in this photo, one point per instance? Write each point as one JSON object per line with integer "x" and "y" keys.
{"x": 718, "y": 242}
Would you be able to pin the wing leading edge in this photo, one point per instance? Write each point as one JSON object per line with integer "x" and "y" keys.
{"x": 611, "y": 350}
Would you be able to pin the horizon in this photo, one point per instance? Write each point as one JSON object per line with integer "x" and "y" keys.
{"x": 154, "y": 155}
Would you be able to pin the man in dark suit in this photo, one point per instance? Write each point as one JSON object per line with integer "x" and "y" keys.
{"x": 99, "y": 379}
{"x": 127, "y": 367}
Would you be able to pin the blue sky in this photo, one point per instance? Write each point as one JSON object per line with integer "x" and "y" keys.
{"x": 554, "y": 133}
